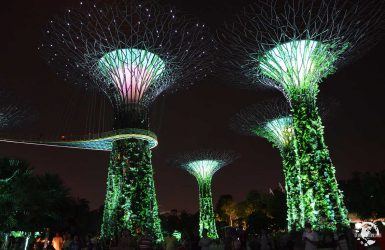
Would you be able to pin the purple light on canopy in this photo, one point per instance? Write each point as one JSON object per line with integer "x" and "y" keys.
{"x": 131, "y": 71}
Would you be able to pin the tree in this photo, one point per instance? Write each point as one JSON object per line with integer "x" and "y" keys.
{"x": 254, "y": 202}
{"x": 257, "y": 221}
{"x": 276, "y": 207}
{"x": 30, "y": 202}
{"x": 226, "y": 209}
{"x": 364, "y": 194}
{"x": 13, "y": 174}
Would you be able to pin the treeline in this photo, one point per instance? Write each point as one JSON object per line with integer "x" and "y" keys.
{"x": 30, "y": 202}
{"x": 258, "y": 211}
{"x": 364, "y": 194}
{"x": 364, "y": 197}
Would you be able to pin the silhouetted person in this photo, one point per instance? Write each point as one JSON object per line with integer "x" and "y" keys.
{"x": 170, "y": 242}
{"x": 265, "y": 241}
{"x": 195, "y": 242}
{"x": 145, "y": 242}
{"x": 124, "y": 243}
{"x": 75, "y": 244}
{"x": 310, "y": 238}
{"x": 243, "y": 238}
{"x": 57, "y": 242}
{"x": 205, "y": 242}
{"x": 236, "y": 243}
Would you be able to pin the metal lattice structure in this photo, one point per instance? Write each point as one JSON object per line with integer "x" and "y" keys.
{"x": 132, "y": 52}
{"x": 292, "y": 46}
{"x": 203, "y": 165}
{"x": 12, "y": 115}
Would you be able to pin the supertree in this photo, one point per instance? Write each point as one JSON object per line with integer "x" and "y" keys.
{"x": 11, "y": 114}
{"x": 292, "y": 46}
{"x": 132, "y": 52}
{"x": 272, "y": 120}
{"x": 203, "y": 165}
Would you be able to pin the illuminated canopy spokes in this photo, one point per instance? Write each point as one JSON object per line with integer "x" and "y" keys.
{"x": 130, "y": 52}
{"x": 299, "y": 64}
{"x": 280, "y": 131}
{"x": 203, "y": 169}
{"x": 131, "y": 72}
{"x": 271, "y": 120}
{"x": 204, "y": 164}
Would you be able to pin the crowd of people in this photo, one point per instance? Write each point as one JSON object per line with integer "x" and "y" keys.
{"x": 43, "y": 241}
{"x": 232, "y": 239}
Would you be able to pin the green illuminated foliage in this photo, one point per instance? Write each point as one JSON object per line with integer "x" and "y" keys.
{"x": 292, "y": 46}
{"x": 298, "y": 67}
{"x": 280, "y": 133}
{"x": 324, "y": 205}
{"x": 272, "y": 120}
{"x": 130, "y": 200}
{"x": 206, "y": 211}
{"x": 203, "y": 165}
{"x": 203, "y": 170}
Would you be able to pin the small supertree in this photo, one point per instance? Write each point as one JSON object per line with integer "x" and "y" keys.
{"x": 203, "y": 165}
{"x": 272, "y": 120}
{"x": 132, "y": 52}
{"x": 293, "y": 46}
{"x": 11, "y": 114}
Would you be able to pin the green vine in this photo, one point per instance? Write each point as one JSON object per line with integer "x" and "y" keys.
{"x": 130, "y": 200}
{"x": 323, "y": 201}
{"x": 206, "y": 212}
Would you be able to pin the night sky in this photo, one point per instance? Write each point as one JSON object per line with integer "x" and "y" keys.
{"x": 189, "y": 119}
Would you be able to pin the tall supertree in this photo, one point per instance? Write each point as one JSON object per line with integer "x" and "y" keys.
{"x": 272, "y": 120}
{"x": 203, "y": 165}
{"x": 132, "y": 51}
{"x": 292, "y": 46}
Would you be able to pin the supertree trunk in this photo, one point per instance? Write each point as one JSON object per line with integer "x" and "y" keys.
{"x": 206, "y": 211}
{"x": 111, "y": 226}
{"x": 136, "y": 207}
{"x": 291, "y": 171}
{"x": 323, "y": 201}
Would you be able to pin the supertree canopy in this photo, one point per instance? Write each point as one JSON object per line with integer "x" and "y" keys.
{"x": 293, "y": 46}
{"x": 132, "y": 71}
{"x": 203, "y": 165}
{"x": 132, "y": 51}
{"x": 272, "y": 120}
